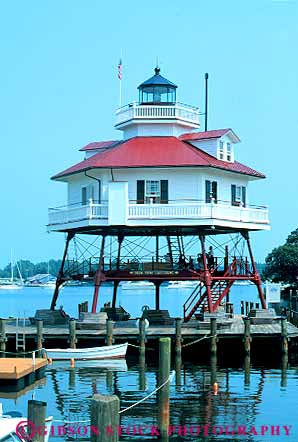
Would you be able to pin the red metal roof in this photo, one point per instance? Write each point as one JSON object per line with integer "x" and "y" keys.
{"x": 205, "y": 135}
{"x": 99, "y": 145}
{"x": 155, "y": 152}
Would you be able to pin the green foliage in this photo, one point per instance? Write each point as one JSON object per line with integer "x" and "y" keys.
{"x": 29, "y": 269}
{"x": 282, "y": 262}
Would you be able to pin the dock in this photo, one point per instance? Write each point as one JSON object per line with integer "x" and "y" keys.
{"x": 18, "y": 373}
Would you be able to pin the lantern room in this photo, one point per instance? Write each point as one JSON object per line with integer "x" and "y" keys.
{"x": 157, "y": 90}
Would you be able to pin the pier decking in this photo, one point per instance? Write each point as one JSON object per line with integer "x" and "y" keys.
{"x": 13, "y": 369}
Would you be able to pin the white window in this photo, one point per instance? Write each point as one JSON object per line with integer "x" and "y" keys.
{"x": 229, "y": 152}
{"x": 221, "y": 150}
{"x": 152, "y": 191}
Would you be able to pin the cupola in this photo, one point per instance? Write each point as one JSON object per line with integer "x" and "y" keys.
{"x": 157, "y": 90}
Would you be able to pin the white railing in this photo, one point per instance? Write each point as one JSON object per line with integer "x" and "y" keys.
{"x": 142, "y": 111}
{"x": 199, "y": 210}
{"x": 70, "y": 214}
{"x": 172, "y": 210}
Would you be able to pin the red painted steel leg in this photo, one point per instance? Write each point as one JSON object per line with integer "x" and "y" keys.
{"x": 257, "y": 279}
{"x": 60, "y": 277}
{"x": 207, "y": 277}
{"x": 98, "y": 276}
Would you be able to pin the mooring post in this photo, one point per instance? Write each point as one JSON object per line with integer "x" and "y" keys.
{"x": 142, "y": 337}
{"x": 164, "y": 392}
{"x": 284, "y": 336}
{"x": 284, "y": 367}
{"x": 105, "y": 418}
{"x": 178, "y": 341}
{"x": 39, "y": 335}
{"x": 37, "y": 417}
{"x": 72, "y": 333}
{"x": 247, "y": 336}
{"x": 213, "y": 336}
{"x": 109, "y": 330}
{"x": 3, "y": 338}
{"x": 142, "y": 373}
{"x": 246, "y": 369}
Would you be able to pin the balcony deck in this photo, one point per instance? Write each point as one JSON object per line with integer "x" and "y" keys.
{"x": 175, "y": 213}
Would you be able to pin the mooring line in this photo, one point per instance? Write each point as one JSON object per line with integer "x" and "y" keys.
{"x": 198, "y": 340}
{"x": 170, "y": 378}
{"x": 138, "y": 346}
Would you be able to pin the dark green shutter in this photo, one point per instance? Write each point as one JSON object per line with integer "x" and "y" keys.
{"x": 244, "y": 196}
{"x": 208, "y": 191}
{"x": 233, "y": 194}
{"x": 140, "y": 191}
{"x": 84, "y": 196}
{"x": 99, "y": 191}
{"x": 164, "y": 192}
{"x": 214, "y": 191}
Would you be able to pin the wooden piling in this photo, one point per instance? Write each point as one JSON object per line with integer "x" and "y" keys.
{"x": 39, "y": 335}
{"x": 37, "y": 415}
{"x": 109, "y": 330}
{"x": 178, "y": 340}
{"x": 3, "y": 338}
{"x": 142, "y": 373}
{"x": 72, "y": 333}
{"x": 284, "y": 336}
{"x": 284, "y": 367}
{"x": 247, "y": 336}
{"x": 246, "y": 366}
{"x": 213, "y": 369}
{"x": 213, "y": 334}
{"x": 105, "y": 418}
{"x": 242, "y": 307}
{"x": 164, "y": 392}
{"x": 142, "y": 337}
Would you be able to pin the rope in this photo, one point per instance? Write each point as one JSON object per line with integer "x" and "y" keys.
{"x": 170, "y": 378}
{"x": 198, "y": 340}
{"x": 138, "y": 346}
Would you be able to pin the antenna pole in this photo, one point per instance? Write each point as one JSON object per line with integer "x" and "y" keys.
{"x": 206, "y": 101}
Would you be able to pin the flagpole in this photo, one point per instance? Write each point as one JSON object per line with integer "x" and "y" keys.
{"x": 120, "y": 92}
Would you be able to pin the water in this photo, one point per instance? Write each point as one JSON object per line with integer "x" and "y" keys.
{"x": 28, "y": 300}
{"x": 265, "y": 396}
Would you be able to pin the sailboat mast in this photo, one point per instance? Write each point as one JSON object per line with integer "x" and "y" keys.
{"x": 11, "y": 267}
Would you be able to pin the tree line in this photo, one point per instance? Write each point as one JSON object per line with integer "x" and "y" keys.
{"x": 28, "y": 268}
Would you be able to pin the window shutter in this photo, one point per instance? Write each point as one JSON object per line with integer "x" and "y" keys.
{"x": 233, "y": 193}
{"x": 214, "y": 191}
{"x": 140, "y": 191}
{"x": 244, "y": 196}
{"x": 84, "y": 196}
{"x": 207, "y": 191}
{"x": 164, "y": 191}
{"x": 99, "y": 191}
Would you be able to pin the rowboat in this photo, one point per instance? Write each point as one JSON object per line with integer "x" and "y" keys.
{"x": 13, "y": 426}
{"x": 81, "y": 354}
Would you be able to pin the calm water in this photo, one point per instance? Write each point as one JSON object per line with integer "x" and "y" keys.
{"x": 263, "y": 396}
{"x": 26, "y": 301}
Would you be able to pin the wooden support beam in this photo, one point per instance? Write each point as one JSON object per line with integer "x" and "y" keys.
{"x": 109, "y": 331}
{"x": 72, "y": 333}
{"x": 3, "y": 338}
{"x": 213, "y": 334}
{"x": 247, "y": 336}
{"x": 39, "y": 335}
{"x": 105, "y": 418}
{"x": 142, "y": 337}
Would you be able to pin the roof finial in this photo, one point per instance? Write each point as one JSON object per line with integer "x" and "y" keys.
{"x": 157, "y": 68}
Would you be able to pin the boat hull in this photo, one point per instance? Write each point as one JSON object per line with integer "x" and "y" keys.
{"x": 83, "y": 354}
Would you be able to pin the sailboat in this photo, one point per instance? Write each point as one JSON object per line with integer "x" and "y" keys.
{"x": 12, "y": 285}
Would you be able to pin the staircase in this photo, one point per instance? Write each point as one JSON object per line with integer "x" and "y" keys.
{"x": 176, "y": 247}
{"x": 219, "y": 289}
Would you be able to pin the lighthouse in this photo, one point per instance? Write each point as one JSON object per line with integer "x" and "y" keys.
{"x": 164, "y": 202}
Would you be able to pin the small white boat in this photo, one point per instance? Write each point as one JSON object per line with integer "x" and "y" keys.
{"x": 182, "y": 284}
{"x": 11, "y": 428}
{"x": 82, "y": 354}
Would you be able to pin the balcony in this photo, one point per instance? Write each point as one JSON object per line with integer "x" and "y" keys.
{"x": 182, "y": 213}
{"x": 139, "y": 112}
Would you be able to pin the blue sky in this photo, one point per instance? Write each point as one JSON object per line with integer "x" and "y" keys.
{"x": 59, "y": 91}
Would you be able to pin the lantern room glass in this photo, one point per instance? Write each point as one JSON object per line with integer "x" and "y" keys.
{"x": 157, "y": 95}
